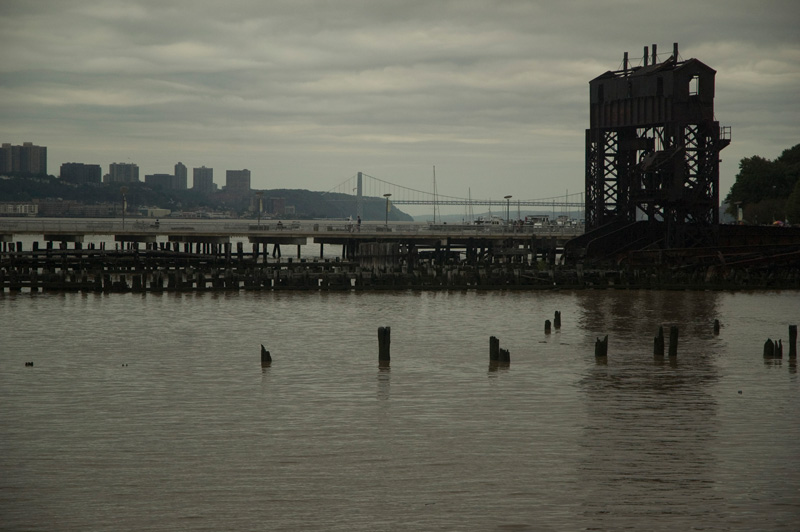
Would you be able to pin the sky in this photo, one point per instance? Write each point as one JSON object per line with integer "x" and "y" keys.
{"x": 306, "y": 93}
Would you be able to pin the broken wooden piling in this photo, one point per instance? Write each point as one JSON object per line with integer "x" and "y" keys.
{"x": 601, "y": 347}
{"x": 547, "y": 326}
{"x": 769, "y": 349}
{"x": 557, "y": 320}
{"x": 792, "y": 341}
{"x": 673, "y": 341}
{"x": 266, "y": 358}
{"x": 716, "y": 327}
{"x": 384, "y": 341}
{"x": 498, "y": 356}
{"x": 658, "y": 343}
{"x": 494, "y": 349}
{"x": 505, "y": 357}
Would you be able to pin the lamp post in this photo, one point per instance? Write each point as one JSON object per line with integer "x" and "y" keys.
{"x": 124, "y": 191}
{"x": 387, "y": 196}
{"x": 508, "y": 208}
{"x": 258, "y": 207}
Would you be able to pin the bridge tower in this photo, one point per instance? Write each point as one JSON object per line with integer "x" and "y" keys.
{"x": 360, "y": 197}
{"x": 652, "y": 150}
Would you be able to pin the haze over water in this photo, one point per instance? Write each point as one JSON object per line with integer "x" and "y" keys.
{"x": 152, "y": 412}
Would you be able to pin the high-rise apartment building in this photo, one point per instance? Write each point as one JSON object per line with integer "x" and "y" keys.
{"x": 276, "y": 205}
{"x": 237, "y": 180}
{"x": 165, "y": 181}
{"x": 81, "y": 173}
{"x": 181, "y": 176}
{"x": 203, "y": 179}
{"x": 122, "y": 173}
{"x": 25, "y": 160}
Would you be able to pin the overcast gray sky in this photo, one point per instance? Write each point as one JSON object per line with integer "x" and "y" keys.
{"x": 306, "y": 93}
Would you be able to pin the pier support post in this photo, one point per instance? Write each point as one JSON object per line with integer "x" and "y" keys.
{"x": 601, "y": 347}
{"x": 547, "y": 326}
{"x": 384, "y": 340}
{"x": 658, "y": 343}
{"x": 673, "y": 341}
{"x": 266, "y": 358}
{"x": 557, "y": 320}
{"x": 792, "y": 341}
{"x": 769, "y": 349}
{"x": 716, "y": 327}
{"x": 505, "y": 358}
{"x": 494, "y": 349}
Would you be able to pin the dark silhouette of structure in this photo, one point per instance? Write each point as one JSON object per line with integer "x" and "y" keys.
{"x": 652, "y": 154}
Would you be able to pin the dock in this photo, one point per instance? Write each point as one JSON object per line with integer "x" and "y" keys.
{"x": 139, "y": 255}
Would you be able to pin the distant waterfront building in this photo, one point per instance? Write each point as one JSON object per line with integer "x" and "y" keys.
{"x": 122, "y": 173}
{"x": 276, "y": 206}
{"x": 81, "y": 173}
{"x": 165, "y": 181}
{"x": 237, "y": 180}
{"x": 203, "y": 179}
{"x": 71, "y": 208}
{"x": 181, "y": 176}
{"x": 18, "y": 208}
{"x": 25, "y": 160}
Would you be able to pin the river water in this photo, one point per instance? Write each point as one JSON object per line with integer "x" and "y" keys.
{"x": 152, "y": 412}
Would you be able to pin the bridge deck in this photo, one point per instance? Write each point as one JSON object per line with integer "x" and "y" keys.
{"x": 291, "y": 232}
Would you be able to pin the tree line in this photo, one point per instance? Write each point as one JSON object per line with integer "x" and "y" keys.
{"x": 768, "y": 191}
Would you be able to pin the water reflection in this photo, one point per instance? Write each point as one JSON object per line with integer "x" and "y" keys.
{"x": 651, "y": 421}
{"x": 638, "y": 314}
{"x": 384, "y": 374}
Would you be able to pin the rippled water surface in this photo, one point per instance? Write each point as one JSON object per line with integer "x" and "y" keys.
{"x": 152, "y": 412}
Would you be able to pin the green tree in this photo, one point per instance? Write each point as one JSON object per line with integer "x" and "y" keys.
{"x": 793, "y": 205}
{"x": 763, "y": 186}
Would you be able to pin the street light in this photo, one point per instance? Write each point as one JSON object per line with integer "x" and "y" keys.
{"x": 508, "y": 208}
{"x": 124, "y": 191}
{"x": 258, "y": 207}
{"x": 387, "y": 196}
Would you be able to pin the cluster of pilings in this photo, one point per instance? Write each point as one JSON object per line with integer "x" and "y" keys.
{"x": 774, "y": 348}
{"x": 601, "y": 345}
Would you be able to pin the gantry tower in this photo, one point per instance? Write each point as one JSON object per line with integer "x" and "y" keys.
{"x": 652, "y": 150}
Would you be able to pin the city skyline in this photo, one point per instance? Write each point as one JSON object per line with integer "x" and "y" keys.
{"x": 494, "y": 95}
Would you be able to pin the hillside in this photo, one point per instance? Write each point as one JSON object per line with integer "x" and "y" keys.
{"x": 307, "y": 204}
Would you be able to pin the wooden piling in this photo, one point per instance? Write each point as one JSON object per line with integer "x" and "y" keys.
{"x": 505, "y": 358}
{"x": 658, "y": 343}
{"x": 557, "y": 320}
{"x": 716, "y": 327}
{"x": 792, "y": 341}
{"x": 494, "y": 349}
{"x": 673, "y": 341}
{"x": 547, "y": 326}
{"x": 266, "y": 358}
{"x": 601, "y": 347}
{"x": 769, "y": 349}
{"x": 384, "y": 341}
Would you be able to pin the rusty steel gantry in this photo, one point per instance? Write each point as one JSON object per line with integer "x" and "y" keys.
{"x": 652, "y": 150}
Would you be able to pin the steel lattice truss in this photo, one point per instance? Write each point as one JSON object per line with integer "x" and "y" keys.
{"x": 652, "y": 151}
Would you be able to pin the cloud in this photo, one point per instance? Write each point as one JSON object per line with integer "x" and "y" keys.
{"x": 306, "y": 92}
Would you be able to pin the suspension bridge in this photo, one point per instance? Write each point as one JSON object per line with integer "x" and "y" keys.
{"x": 362, "y": 186}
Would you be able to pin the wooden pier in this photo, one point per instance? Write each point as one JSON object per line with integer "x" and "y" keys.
{"x": 58, "y": 256}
